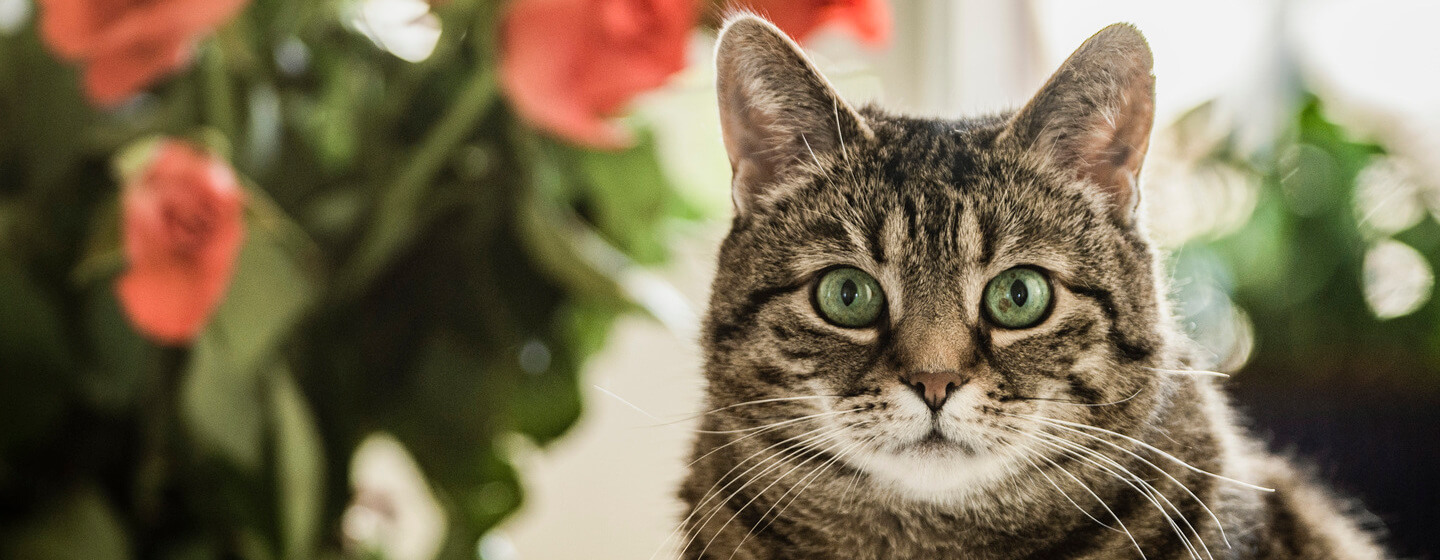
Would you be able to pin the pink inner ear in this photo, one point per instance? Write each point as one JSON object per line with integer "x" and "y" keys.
{"x": 1113, "y": 156}
{"x": 748, "y": 139}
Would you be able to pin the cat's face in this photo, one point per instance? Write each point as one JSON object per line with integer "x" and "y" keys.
{"x": 900, "y": 294}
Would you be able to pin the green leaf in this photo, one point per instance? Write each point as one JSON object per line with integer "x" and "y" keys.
{"x": 103, "y": 257}
{"x": 299, "y": 467}
{"x": 130, "y": 161}
{"x": 81, "y": 525}
{"x": 34, "y": 361}
{"x": 269, "y": 294}
{"x": 119, "y": 358}
{"x": 221, "y": 400}
{"x": 629, "y": 197}
{"x": 331, "y": 123}
{"x": 221, "y": 404}
{"x": 31, "y": 321}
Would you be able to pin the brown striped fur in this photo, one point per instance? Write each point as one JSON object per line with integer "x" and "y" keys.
{"x": 933, "y": 209}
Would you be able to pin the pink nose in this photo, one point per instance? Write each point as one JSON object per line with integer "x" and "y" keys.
{"x": 935, "y": 386}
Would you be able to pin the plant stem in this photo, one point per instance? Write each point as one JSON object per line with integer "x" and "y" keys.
{"x": 160, "y": 410}
{"x": 219, "y": 106}
{"x": 393, "y": 222}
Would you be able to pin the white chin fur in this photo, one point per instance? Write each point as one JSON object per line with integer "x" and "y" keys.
{"x": 946, "y": 477}
{"x": 948, "y": 474}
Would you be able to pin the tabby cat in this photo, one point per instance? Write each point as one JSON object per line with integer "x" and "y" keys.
{"x": 949, "y": 339}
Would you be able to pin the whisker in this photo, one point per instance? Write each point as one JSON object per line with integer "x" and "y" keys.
{"x": 1067, "y": 494}
{"x": 713, "y": 493}
{"x": 1078, "y": 403}
{"x": 769, "y": 428}
{"x": 1143, "y": 488}
{"x": 813, "y": 454}
{"x": 812, "y": 152}
{"x": 1198, "y": 372}
{"x": 748, "y": 403}
{"x": 812, "y": 476}
{"x": 738, "y": 440}
{"x": 1161, "y": 452}
{"x": 691, "y": 417}
{"x": 627, "y": 403}
{"x": 859, "y": 472}
{"x": 1167, "y": 475}
{"x": 779, "y": 460}
{"x": 1154, "y": 491}
{"x": 780, "y": 423}
{"x": 847, "y": 451}
{"x": 1138, "y": 549}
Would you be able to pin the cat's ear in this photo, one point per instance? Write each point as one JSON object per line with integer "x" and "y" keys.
{"x": 1094, "y": 115}
{"x": 776, "y": 109}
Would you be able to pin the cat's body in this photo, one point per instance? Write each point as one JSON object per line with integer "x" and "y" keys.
{"x": 950, "y": 420}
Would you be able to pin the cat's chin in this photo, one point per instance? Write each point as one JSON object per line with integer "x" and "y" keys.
{"x": 938, "y": 471}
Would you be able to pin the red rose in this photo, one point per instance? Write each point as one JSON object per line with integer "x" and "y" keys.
{"x": 183, "y": 227}
{"x": 568, "y": 65}
{"x": 870, "y": 20}
{"x": 127, "y": 44}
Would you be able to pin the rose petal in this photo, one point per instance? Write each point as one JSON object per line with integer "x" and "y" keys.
{"x": 183, "y": 228}
{"x": 569, "y": 65}
{"x": 869, "y": 20}
{"x": 125, "y": 45}
{"x": 115, "y": 76}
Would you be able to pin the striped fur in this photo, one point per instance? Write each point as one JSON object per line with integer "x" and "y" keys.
{"x": 814, "y": 448}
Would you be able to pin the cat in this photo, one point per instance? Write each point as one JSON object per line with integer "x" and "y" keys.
{"x": 949, "y": 339}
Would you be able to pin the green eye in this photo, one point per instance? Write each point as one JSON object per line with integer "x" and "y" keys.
{"x": 1018, "y": 298}
{"x": 849, "y": 297}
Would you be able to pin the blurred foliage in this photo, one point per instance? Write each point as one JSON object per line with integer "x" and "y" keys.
{"x": 1297, "y": 267}
{"x": 417, "y": 263}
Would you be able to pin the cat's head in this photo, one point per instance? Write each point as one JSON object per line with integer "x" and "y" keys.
{"x": 903, "y": 292}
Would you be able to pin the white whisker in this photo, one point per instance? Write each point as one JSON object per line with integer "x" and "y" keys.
{"x": 1143, "y": 488}
{"x": 738, "y": 405}
{"x": 712, "y": 493}
{"x": 859, "y": 472}
{"x": 627, "y": 403}
{"x": 812, "y": 476}
{"x": 1067, "y": 494}
{"x": 1137, "y": 456}
{"x": 1197, "y": 372}
{"x": 1162, "y": 452}
{"x": 812, "y": 151}
{"x": 780, "y": 423}
{"x": 1138, "y": 549}
{"x": 1073, "y": 403}
{"x": 770, "y": 400}
{"x": 1151, "y": 489}
{"x": 813, "y": 454}
{"x": 778, "y": 457}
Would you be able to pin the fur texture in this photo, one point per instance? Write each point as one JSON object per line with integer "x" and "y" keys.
{"x": 1080, "y": 437}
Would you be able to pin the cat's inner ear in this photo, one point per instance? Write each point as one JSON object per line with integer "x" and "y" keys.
{"x": 776, "y": 110}
{"x": 1093, "y": 117}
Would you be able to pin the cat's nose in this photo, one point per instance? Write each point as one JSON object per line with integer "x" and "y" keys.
{"x": 935, "y": 386}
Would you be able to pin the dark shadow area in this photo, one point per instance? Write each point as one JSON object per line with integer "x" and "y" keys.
{"x": 1376, "y": 445}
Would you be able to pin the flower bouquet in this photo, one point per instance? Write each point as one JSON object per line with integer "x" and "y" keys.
{"x": 241, "y": 238}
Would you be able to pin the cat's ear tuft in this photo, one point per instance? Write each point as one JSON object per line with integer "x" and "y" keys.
{"x": 1094, "y": 115}
{"x": 776, "y": 110}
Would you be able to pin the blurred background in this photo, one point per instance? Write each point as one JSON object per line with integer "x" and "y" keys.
{"x": 406, "y": 279}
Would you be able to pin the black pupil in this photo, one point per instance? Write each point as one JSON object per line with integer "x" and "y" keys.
{"x": 1018, "y": 293}
{"x": 848, "y": 291}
